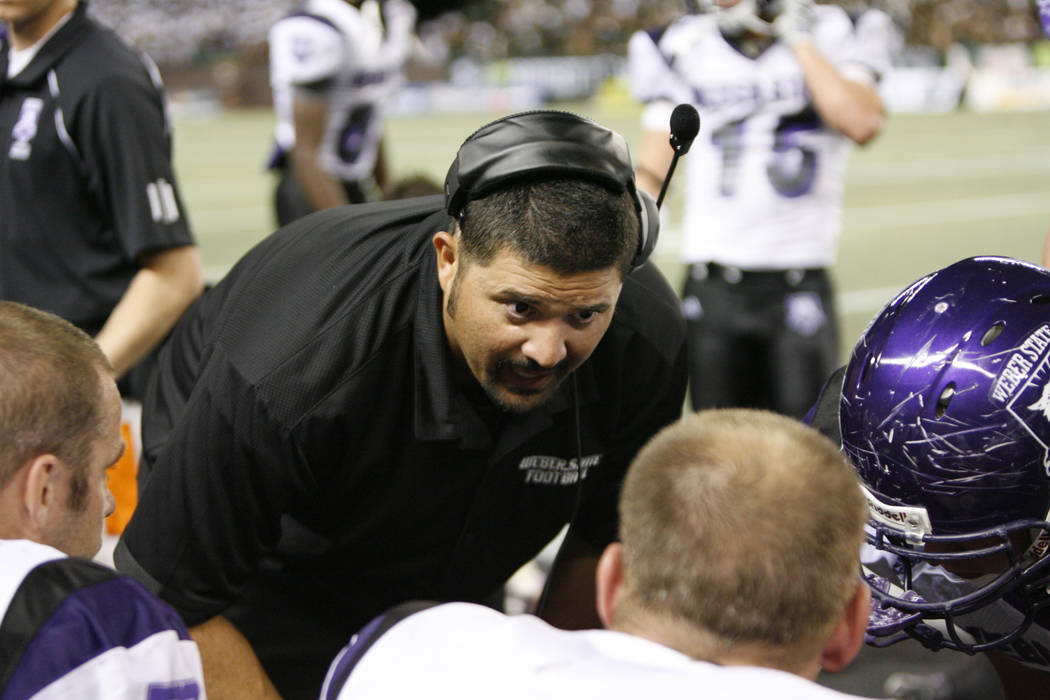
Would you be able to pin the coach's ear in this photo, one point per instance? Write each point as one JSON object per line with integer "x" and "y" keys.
{"x": 609, "y": 582}
{"x": 446, "y": 248}
{"x": 848, "y": 636}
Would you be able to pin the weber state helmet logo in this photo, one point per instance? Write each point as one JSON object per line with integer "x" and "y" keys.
{"x": 1023, "y": 387}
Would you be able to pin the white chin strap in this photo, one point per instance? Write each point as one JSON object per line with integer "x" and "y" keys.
{"x": 742, "y": 17}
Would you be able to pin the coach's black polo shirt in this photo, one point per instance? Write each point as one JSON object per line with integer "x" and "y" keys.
{"x": 305, "y": 408}
{"x": 86, "y": 185}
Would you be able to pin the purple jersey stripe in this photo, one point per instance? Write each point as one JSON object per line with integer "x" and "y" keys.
{"x": 40, "y": 593}
{"x": 363, "y": 641}
{"x": 92, "y": 618}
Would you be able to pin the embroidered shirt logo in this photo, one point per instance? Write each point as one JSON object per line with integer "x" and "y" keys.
{"x": 25, "y": 128}
{"x": 556, "y": 471}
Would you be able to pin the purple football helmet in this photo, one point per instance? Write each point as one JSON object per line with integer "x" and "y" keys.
{"x": 945, "y": 414}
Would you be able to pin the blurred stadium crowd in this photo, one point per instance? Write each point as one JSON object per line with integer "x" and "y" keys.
{"x": 184, "y": 31}
{"x": 181, "y": 31}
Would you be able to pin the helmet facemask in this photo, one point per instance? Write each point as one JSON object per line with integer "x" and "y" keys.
{"x": 998, "y": 562}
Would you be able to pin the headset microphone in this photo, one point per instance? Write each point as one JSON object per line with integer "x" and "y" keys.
{"x": 685, "y": 125}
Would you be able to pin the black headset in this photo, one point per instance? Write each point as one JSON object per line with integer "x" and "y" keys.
{"x": 546, "y": 143}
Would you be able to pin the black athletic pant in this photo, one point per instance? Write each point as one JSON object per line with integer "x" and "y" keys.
{"x": 759, "y": 339}
{"x": 290, "y": 201}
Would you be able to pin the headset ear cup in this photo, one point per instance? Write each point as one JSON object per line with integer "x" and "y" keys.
{"x": 649, "y": 216}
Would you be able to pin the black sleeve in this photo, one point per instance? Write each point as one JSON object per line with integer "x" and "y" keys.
{"x": 124, "y": 140}
{"x": 213, "y": 500}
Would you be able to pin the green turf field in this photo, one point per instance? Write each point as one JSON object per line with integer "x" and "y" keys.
{"x": 930, "y": 190}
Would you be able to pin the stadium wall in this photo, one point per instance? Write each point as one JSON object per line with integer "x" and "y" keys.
{"x": 997, "y": 78}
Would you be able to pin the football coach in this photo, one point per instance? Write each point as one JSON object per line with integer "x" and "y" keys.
{"x": 408, "y": 400}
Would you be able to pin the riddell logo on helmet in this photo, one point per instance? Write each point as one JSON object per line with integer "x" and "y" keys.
{"x": 1040, "y": 546}
{"x": 912, "y": 520}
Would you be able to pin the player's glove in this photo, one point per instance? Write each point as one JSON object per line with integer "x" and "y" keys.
{"x": 400, "y": 17}
{"x": 795, "y": 21}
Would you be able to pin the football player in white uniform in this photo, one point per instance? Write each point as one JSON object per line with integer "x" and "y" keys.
{"x": 702, "y": 597}
{"x": 334, "y": 67}
{"x": 784, "y": 89}
{"x": 71, "y": 628}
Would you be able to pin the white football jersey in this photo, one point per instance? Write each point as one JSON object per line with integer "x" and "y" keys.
{"x": 765, "y": 176}
{"x": 346, "y": 56}
{"x": 462, "y": 651}
{"x": 75, "y": 629}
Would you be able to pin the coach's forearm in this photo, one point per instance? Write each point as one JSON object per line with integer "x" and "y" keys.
{"x": 231, "y": 669}
{"x": 159, "y": 293}
{"x": 569, "y": 598}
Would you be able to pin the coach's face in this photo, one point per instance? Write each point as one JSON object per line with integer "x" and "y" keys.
{"x": 521, "y": 329}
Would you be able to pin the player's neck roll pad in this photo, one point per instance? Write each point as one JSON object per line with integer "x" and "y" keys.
{"x": 542, "y": 144}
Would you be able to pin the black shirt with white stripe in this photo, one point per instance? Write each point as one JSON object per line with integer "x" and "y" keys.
{"x": 86, "y": 182}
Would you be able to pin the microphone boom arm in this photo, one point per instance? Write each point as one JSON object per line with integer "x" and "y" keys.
{"x": 684, "y": 126}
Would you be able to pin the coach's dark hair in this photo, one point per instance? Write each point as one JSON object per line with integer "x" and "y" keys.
{"x": 567, "y": 224}
{"x": 50, "y": 393}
